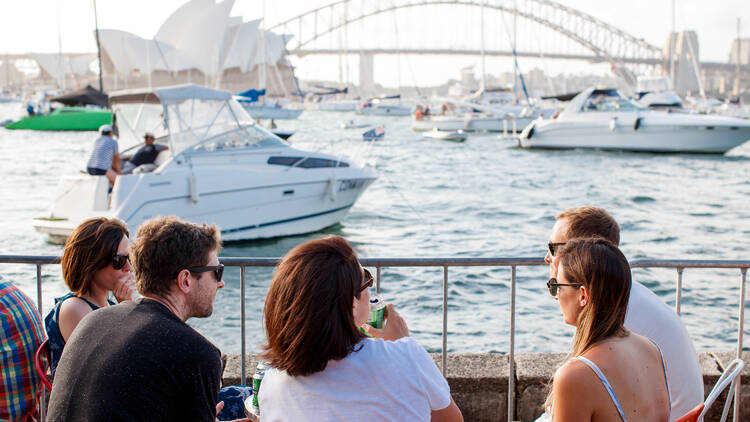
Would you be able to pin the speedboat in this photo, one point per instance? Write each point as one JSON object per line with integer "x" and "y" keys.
{"x": 446, "y": 135}
{"x": 604, "y": 119}
{"x": 351, "y": 124}
{"x": 220, "y": 168}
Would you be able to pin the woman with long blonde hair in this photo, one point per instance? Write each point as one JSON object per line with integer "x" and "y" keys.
{"x": 611, "y": 374}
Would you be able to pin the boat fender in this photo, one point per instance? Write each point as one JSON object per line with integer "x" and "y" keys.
{"x": 331, "y": 189}
{"x": 193, "y": 188}
{"x": 637, "y": 124}
{"x": 613, "y": 124}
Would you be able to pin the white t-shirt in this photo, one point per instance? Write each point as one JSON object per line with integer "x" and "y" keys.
{"x": 650, "y": 317}
{"x": 382, "y": 381}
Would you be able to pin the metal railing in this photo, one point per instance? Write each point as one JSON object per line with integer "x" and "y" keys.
{"x": 445, "y": 263}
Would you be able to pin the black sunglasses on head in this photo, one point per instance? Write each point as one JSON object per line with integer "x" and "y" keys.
{"x": 554, "y": 286}
{"x": 217, "y": 269}
{"x": 553, "y": 245}
{"x": 368, "y": 280}
{"x": 118, "y": 261}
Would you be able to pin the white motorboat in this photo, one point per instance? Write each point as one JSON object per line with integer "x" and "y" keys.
{"x": 261, "y": 110}
{"x": 474, "y": 122}
{"x": 446, "y": 135}
{"x": 351, "y": 124}
{"x": 220, "y": 167}
{"x": 377, "y": 107}
{"x": 338, "y": 105}
{"x": 604, "y": 119}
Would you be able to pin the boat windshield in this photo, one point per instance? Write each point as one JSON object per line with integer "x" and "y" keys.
{"x": 608, "y": 102}
{"x": 212, "y": 123}
{"x": 133, "y": 120}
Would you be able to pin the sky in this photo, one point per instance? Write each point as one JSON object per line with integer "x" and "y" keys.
{"x": 49, "y": 26}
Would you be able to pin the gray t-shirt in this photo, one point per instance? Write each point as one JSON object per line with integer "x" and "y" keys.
{"x": 105, "y": 149}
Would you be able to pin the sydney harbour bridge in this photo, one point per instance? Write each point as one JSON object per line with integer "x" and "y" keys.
{"x": 521, "y": 29}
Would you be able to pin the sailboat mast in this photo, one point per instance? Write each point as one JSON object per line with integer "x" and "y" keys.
{"x": 481, "y": 26}
{"x": 672, "y": 42}
{"x": 739, "y": 50}
{"x": 98, "y": 48}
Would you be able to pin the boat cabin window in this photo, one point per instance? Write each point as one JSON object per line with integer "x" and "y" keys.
{"x": 306, "y": 163}
{"x": 608, "y": 103}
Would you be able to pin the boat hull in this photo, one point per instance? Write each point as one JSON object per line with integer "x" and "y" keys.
{"x": 270, "y": 112}
{"x": 243, "y": 203}
{"x": 67, "y": 118}
{"x": 470, "y": 124}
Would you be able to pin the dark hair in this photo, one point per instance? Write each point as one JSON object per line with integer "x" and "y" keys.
{"x": 164, "y": 246}
{"x": 308, "y": 312}
{"x": 591, "y": 222}
{"x": 89, "y": 248}
{"x": 598, "y": 265}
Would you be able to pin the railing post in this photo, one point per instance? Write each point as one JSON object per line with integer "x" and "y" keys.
{"x": 740, "y": 331}
{"x": 678, "y": 294}
{"x": 512, "y": 357}
{"x": 43, "y": 401}
{"x": 242, "y": 322}
{"x": 445, "y": 322}
{"x": 377, "y": 280}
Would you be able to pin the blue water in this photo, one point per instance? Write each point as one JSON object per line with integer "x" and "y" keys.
{"x": 482, "y": 198}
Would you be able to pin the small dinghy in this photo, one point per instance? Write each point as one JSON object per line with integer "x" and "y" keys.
{"x": 374, "y": 134}
{"x": 446, "y": 135}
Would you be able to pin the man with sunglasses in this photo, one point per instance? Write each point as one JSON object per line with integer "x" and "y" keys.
{"x": 140, "y": 361}
{"x": 647, "y": 315}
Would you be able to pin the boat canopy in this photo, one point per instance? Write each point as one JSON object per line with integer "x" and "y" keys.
{"x": 182, "y": 115}
{"x": 85, "y": 96}
{"x": 594, "y": 99}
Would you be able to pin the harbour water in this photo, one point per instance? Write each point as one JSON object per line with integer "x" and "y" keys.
{"x": 482, "y": 198}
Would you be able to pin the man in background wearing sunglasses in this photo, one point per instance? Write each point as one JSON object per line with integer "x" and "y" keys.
{"x": 140, "y": 360}
{"x": 647, "y": 315}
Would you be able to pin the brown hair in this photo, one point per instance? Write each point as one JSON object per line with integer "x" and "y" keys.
{"x": 164, "y": 246}
{"x": 308, "y": 312}
{"x": 591, "y": 222}
{"x": 89, "y": 248}
{"x": 598, "y": 265}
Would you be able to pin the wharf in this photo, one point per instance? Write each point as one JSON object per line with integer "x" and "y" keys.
{"x": 479, "y": 382}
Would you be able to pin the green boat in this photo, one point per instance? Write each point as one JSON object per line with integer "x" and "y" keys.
{"x": 65, "y": 118}
{"x": 73, "y": 116}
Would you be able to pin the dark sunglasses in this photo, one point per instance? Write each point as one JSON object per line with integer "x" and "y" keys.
{"x": 553, "y": 245}
{"x": 554, "y": 286}
{"x": 217, "y": 269}
{"x": 368, "y": 280}
{"x": 118, "y": 261}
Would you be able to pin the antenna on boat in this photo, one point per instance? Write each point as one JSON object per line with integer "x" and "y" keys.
{"x": 98, "y": 48}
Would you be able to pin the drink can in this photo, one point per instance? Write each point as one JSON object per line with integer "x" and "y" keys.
{"x": 260, "y": 372}
{"x": 377, "y": 311}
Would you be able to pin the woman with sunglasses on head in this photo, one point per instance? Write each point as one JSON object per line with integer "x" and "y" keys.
{"x": 94, "y": 262}
{"x": 322, "y": 367}
{"x": 611, "y": 374}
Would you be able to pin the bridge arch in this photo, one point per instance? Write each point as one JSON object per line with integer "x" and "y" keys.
{"x": 604, "y": 41}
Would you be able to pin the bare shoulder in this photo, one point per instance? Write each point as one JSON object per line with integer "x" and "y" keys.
{"x": 572, "y": 381}
{"x": 74, "y": 307}
{"x": 573, "y": 376}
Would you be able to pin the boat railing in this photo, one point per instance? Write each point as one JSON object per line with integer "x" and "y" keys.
{"x": 445, "y": 263}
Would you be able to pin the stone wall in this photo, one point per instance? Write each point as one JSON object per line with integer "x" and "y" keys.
{"x": 479, "y": 382}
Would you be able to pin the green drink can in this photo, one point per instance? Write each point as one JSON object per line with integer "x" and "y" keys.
{"x": 260, "y": 372}
{"x": 377, "y": 311}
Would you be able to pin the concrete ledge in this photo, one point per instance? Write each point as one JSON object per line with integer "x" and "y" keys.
{"x": 479, "y": 382}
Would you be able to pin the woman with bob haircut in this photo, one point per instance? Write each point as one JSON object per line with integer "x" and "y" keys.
{"x": 611, "y": 374}
{"x": 322, "y": 367}
{"x": 94, "y": 262}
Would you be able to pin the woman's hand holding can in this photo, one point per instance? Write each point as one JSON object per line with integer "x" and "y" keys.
{"x": 395, "y": 326}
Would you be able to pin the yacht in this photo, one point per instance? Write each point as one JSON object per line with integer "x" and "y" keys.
{"x": 220, "y": 168}
{"x": 377, "y": 107}
{"x": 604, "y": 119}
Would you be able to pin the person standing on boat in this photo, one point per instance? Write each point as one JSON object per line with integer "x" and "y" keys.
{"x": 647, "y": 315}
{"x": 145, "y": 154}
{"x": 105, "y": 158}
